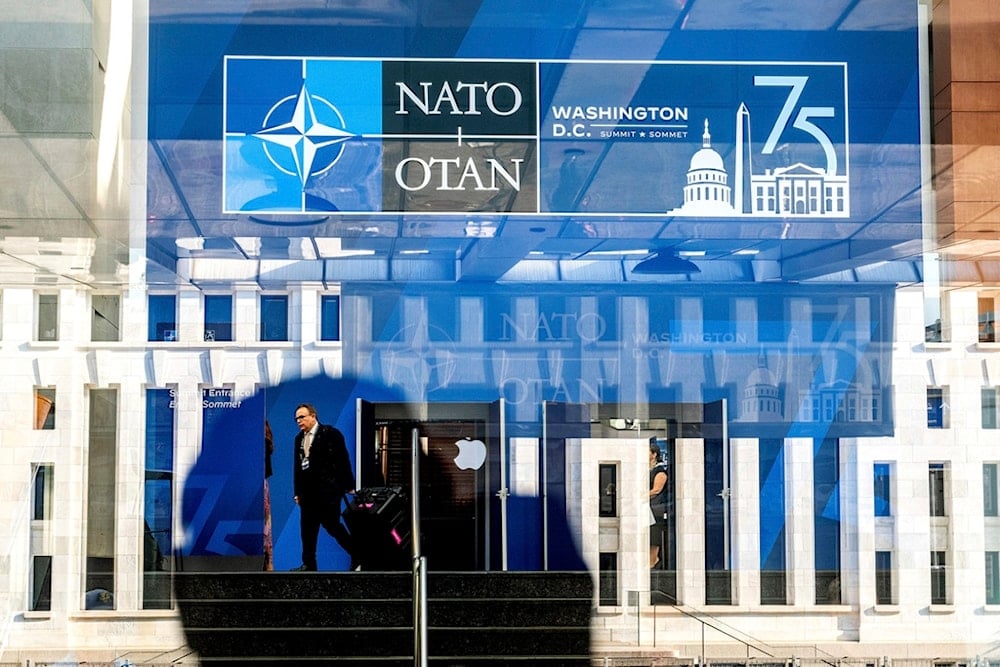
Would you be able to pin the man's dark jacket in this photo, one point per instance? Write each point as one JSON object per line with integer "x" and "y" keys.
{"x": 329, "y": 475}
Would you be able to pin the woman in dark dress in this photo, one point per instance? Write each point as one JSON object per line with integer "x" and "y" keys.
{"x": 657, "y": 502}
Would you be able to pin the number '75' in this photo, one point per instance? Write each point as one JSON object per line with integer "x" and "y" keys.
{"x": 802, "y": 122}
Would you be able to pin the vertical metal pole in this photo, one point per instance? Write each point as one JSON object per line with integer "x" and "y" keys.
{"x": 703, "y": 660}
{"x": 504, "y": 490}
{"x": 419, "y": 565}
{"x": 545, "y": 486}
{"x": 726, "y": 495}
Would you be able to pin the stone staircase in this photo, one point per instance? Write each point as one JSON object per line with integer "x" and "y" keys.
{"x": 366, "y": 618}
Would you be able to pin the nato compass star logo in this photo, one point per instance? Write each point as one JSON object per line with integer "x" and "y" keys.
{"x": 285, "y": 135}
{"x": 302, "y": 136}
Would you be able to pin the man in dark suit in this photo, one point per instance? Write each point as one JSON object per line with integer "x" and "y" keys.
{"x": 323, "y": 476}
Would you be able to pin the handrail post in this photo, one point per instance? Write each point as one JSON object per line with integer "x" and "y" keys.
{"x": 419, "y": 564}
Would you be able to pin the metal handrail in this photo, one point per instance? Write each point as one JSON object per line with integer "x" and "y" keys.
{"x": 747, "y": 640}
{"x": 701, "y": 616}
{"x": 419, "y": 562}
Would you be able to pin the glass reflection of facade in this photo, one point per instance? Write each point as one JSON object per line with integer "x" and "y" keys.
{"x": 544, "y": 238}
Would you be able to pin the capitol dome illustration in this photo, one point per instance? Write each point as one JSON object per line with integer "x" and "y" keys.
{"x": 707, "y": 191}
{"x": 762, "y": 400}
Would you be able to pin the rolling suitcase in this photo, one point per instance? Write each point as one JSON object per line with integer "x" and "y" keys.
{"x": 379, "y": 521}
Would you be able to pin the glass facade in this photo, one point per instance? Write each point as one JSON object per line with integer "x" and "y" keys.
{"x": 543, "y": 238}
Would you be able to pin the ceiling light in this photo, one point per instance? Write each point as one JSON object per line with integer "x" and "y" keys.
{"x": 665, "y": 262}
{"x": 620, "y": 253}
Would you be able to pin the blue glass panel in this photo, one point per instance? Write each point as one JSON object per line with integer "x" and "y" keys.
{"x": 273, "y": 317}
{"x": 329, "y": 317}
{"x": 160, "y": 407}
{"x": 218, "y": 317}
{"x": 883, "y": 489}
{"x": 162, "y": 317}
{"x": 158, "y": 486}
{"x": 716, "y": 507}
{"x": 826, "y": 504}
{"x": 772, "y": 504}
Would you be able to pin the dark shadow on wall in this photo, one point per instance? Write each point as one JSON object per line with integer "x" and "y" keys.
{"x": 362, "y": 616}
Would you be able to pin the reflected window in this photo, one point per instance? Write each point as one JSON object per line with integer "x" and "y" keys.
{"x": 937, "y": 407}
{"x": 45, "y": 408}
{"x": 827, "y": 315}
{"x": 607, "y": 482}
{"x": 385, "y": 316}
{"x": 158, "y": 498}
{"x": 41, "y": 492}
{"x": 329, "y": 317}
{"x": 939, "y": 578}
{"x": 883, "y": 578}
{"x": 988, "y": 407}
{"x": 773, "y": 560}
{"x": 102, "y": 483}
{"x": 48, "y": 317}
{"x": 608, "y": 579}
{"x": 991, "y": 493}
{"x": 274, "y": 317}
{"x": 105, "y": 317}
{"x": 993, "y": 577}
{"x": 936, "y": 487}
{"x": 498, "y": 316}
{"x": 218, "y": 317}
{"x": 40, "y": 576}
{"x": 936, "y": 326}
{"x": 442, "y": 318}
{"x": 162, "y": 322}
{"x": 41, "y": 583}
{"x": 987, "y": 319}
{"x": 826, "y": 524}
{"x": 719, "y": 318}
{"x": 771, "y": 319}
{"x": 883, "y": 489}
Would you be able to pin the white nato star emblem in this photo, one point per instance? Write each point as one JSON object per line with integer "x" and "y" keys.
{"x": 304, "y": 135}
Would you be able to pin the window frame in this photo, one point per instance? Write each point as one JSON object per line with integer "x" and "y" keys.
{"x": 230, "y": 321}
{"x": 991, "y": 489}
{"x": 939, "y": 578}
{"x": 992, "y": 577}
{"x": 44, "y": 395}
{"x": 884, "y": 592}
{"x": 937, "y": 407}
{"x": 324, "y": 300}
{"x": 989, "y": 407}
{"x": 937, "y": 489}
{"x": 986, "y": 320}
{"x": 262, "y": 332}
{"x": 152, "y": 335}
{"x": 882, "y": 488}
{"x": 94, "y": 314}
{"x": 40, "y": 310}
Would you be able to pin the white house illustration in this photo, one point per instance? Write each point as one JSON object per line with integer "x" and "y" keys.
{"x": 796, "y": 190}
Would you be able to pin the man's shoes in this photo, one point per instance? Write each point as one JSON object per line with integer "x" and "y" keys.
{"x": 303, "y": 568}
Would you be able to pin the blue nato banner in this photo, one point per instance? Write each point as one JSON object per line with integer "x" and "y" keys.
{"x": 311, "y": 135}
{"x": 307, "y": 115}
